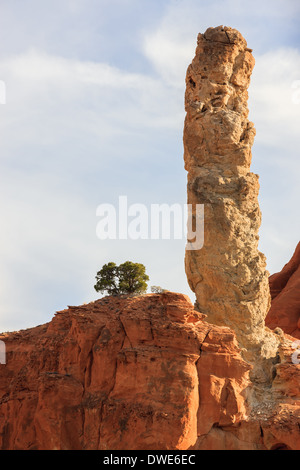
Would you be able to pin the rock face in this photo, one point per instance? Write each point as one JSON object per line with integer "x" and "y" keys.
{"x": 152, "y": 372}
{"x": 285, "y": 293}
{"x": 139, "y": 373}
{"x": 228, "y": 275}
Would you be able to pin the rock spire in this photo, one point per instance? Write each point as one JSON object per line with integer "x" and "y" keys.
{"x": 228, "y": 274}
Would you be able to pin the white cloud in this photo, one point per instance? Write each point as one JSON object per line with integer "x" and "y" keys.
{"x": 271, "y": 99}
{"x": 169, "y": 56}
{"x": 70, "y": 130}
{"x": 36, "y": 80}
{"x": 276, "y": 151}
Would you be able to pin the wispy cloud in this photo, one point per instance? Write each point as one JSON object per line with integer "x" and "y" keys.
{"x": 66, "y": 126}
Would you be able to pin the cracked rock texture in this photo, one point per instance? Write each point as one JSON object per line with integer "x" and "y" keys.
{"x": 152, "y": 372}
{"x": 228, "y": 274}
{"x": 119, "y": 374}
{"x": 285, "y": 292}
{"x": 139, "y": 373}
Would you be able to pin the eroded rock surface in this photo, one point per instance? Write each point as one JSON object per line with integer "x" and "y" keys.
{"x": 138, "y": 373}
{"x": 228, "y": 274}
{"x": 285, "y": 293}
{"x": 151, "y": 372}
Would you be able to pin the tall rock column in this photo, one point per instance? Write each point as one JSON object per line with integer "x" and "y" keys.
{"x": 228, "y": 274}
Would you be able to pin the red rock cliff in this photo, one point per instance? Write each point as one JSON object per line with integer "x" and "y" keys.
{"x": 285, "y": 292}
{"x": 139, "y": 373}
{"x": 150, "y": 372}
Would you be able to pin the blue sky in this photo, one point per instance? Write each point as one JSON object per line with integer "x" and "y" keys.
{"x": 95, "y": 93}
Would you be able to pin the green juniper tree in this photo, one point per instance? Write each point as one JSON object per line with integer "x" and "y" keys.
{"x": 107, "y": 279}
{"x": 127, "y": 278}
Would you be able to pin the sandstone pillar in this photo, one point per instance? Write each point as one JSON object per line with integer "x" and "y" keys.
{"x": 228, "y": 275}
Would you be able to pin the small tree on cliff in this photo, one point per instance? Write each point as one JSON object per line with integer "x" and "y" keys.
{"x": 128, "y": 278}
{"x": 107, "y": 280}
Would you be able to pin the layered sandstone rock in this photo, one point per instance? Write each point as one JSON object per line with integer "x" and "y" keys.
{"x": 138, "y": 373}
{"x": 150, "y": 372}
{"x": 228, "y": 274}
{"x": 120, "y": 374}
{"x": 285, "y": 293}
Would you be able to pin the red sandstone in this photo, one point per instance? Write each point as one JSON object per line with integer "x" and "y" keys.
{"x": 285, "y": 292}
{"x": 145, "y": 372}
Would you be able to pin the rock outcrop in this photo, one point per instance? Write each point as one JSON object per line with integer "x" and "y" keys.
{"x": 152, "y": 372}
{"x": 139, "y": 373}
{"x": 285, "y": 293}
{"x": 228, "y": 274}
